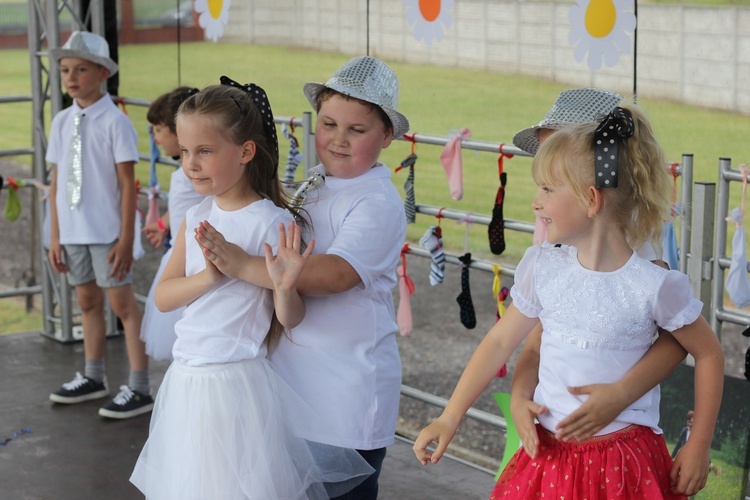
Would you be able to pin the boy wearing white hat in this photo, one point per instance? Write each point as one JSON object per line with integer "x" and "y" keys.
{"x": 93, "y": 147}
{"x": 605, "y": 401}
{"x": 343, "y": 358}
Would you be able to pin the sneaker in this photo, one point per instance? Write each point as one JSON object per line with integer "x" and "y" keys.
{"x": 80, "y": 389}
{"x": 128, "y": 403}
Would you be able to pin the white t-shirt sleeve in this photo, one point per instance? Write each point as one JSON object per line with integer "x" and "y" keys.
{"x": 371, "y": 237}
{"x": 124, "y": 140}
{"x": 53, "y": 145}
{"x": 675, "y": 305}
{"x": 523, "y": 291}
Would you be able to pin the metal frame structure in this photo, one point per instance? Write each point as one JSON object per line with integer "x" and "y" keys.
{"x": 44, "y": 35}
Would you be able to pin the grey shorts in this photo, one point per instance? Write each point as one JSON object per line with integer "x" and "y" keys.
{"x": 87, "y": 263}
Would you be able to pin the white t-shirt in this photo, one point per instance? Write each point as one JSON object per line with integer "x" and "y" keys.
{"x": 230, "y": 321}
{"x": 108, "y": 138}
{"x": 597, "y": 325}
{"x": 182, "y": 196}
{"x": 343, "y": 358}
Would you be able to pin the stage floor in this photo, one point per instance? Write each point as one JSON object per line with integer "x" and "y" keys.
{"x": 73, "y": 453}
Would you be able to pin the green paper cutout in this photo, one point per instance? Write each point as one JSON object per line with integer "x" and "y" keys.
{"x": 12, "y": 205}
{"x": 512, "y": 439}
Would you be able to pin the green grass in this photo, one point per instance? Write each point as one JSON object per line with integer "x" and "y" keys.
{"x": 14, "y": 318}
{"x": 436, "y": 100}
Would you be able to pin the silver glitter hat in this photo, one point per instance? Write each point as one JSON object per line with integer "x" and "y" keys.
{"x": 367, "y": 79}
{"x": 88, "y": 46}
{"x": 572, "y": 107}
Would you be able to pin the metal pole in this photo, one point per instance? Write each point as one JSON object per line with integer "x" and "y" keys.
{"x": 686, "y": 210}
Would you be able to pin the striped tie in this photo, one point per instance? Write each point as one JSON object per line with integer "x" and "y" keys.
{"x": 432, "y": 241}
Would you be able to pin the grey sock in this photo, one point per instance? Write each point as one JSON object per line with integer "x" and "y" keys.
{"x": 138, "y": 381}
{"x": 94, "y": 369}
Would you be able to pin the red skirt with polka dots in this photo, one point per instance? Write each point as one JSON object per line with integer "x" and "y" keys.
{"x": 632, "y": 463}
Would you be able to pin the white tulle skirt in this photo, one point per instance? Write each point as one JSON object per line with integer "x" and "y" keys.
{"x": 234, "y": 431}
{"x": 157, "y": 329}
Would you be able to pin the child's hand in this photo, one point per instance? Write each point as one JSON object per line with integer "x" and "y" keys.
{"x": 524, "y": 411}
{"x": 440, "y": 431}
{"x": 227, "y": 257}
{"x": 121, "y": 258}
{"x": 55, "y": 257}
{"x": 690, "y": 469}
{"x": 602, "y": 406}
{"x": 154, "y": 235}
{"x": 285, "y": 268}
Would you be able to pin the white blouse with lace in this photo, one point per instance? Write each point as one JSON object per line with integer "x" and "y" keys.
{"x": 597, "y": 325}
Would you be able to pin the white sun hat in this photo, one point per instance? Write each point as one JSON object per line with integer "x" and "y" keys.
{"x": 87, "y": 46}
{"x": 572, "y": 107}
{"x": 367, "y": 79}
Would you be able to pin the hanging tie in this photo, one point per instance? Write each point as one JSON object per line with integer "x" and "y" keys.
{"x": 432, "y": 241}
{"x": 75, "y": 164}
{"x": 466, "y": 306}
{"x": 294, "y": 158}
{"x": 410, "y": 204}
{"x": 496, "y": 229}
{"x": 500, "y": 293}
{"x": 152, "y": 214}
{"x": 406, "y": 289}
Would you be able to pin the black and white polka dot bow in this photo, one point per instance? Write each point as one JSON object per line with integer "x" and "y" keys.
{"x": 260, "y": 99}
{"x": 617, "y": 125}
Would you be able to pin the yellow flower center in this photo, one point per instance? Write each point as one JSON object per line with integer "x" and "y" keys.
{"x": 214, "y": 8}
{"x": 600, "y": 17}
{"x": 430, "y": 9}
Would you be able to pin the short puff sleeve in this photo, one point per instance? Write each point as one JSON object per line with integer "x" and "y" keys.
{"x": 523, "y": 291}
{"x": 675, "y": 305}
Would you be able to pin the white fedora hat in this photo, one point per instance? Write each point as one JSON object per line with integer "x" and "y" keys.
{"x": 367, "y": 79}
{"x": 88, "y": 46}
{"x": 572, "y": 107}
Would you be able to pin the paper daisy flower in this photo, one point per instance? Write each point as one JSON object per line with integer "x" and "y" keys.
{"x": 600, "y": 28}
{"x": 429, "y": 18}
{"x": 213, "y": 16}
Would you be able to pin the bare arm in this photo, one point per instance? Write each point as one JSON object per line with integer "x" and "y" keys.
{"x": 323, "y": 274}
{"x": 606, "y": 401}
{"x": 492, "y": 352}
{"x": 55, "y": 250}
{"x": 121, "y": 255}
{"x": 525, "y": 379}
{"x": 174, "y": 289}
{"x": 284, "y": 270}
{"x": 690, "y": 469}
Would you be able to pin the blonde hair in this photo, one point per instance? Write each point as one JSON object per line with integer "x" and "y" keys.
{"x": 640, "y": 203}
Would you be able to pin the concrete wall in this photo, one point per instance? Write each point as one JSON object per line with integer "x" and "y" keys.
{"x": 696, "y": 55}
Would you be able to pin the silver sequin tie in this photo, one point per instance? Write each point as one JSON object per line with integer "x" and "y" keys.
{"x": 75, "y": 164}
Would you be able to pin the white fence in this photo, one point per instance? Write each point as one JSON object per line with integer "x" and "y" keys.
{"x": 695, "y": 55}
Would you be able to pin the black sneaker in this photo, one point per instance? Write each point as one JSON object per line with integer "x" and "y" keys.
{"x": 128, "y": 403}
{"x": 80, "y": 389}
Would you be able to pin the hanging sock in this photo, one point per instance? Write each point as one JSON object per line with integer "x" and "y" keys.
{"x": 406, "y": 289}
{"x": 294, "y": 158}
{"x": 452, "y": 163}
{"x": 432, "y": 241}
{"x": 410, "y": 204}
{"x": 152, "y": 214}
{"x": 467, "y": 314}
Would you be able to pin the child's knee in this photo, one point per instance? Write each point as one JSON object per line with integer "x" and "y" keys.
{"x": 90, "y": 297}
{"x": 123, "y": 303}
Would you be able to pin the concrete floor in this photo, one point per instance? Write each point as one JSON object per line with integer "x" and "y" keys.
{"x": 72, "y": 453}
